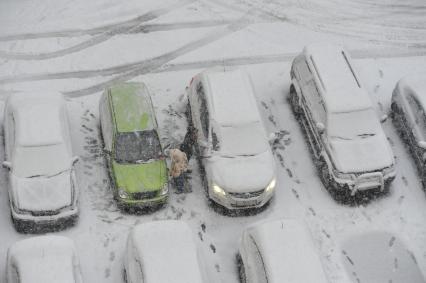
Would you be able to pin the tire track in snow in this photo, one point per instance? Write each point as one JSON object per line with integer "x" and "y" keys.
{"x": 105, "y": 34}
{"x": 173, "y": 67}
{"x": 150, "y": 65}
{"x": 101, "y": 29}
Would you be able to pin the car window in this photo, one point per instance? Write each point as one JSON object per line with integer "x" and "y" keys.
{"x": 215, "y": 141}
{"x": 137, "y": 147}
{"x": 204, "y": 114}
{"x": 106, "y": 123}
{"x": 304, "y": 71}
{"x": 259, "y": 265}
{"x": 419, "y": 115}
{"x": 11, "y": 136}
{"x": 14, "y": 275}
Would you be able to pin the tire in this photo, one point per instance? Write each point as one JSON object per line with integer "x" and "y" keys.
{"x": 124, "y": 275}
{"x": 241, "y": 269}
{"x": 324, "y": 174}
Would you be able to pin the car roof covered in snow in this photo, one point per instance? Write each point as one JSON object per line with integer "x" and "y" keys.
{"x": 167, "y": 252}
{"x": 343, "y": 91}
{"x": 416, "y": 85}
{"x": 44, "y": 259}
{"x": 132, "y": 107}
{"x": 232, "y": 98}
{"x": 287, "y": 251}
{"x": 38, "y": 118}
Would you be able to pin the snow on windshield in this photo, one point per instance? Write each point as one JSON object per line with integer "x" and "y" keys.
{"x": 46, "y": 160}
{"x": 353, "y": 125}
{"x": 243, "y": 139}
{"x": 137, "y": 146}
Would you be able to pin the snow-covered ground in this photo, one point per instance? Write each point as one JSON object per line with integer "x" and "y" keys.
{"x": 80, "y": 47}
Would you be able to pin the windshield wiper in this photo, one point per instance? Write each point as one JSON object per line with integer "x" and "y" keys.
{"x": 366, "y": 135}
{"x": 341, "y": 138}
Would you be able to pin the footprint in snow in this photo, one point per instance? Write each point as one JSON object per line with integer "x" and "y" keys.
{"x": 295, "y": 193}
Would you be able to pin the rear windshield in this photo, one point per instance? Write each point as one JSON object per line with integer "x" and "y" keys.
{"x": 137, "y": 147}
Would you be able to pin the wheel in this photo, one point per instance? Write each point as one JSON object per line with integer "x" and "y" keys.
{"x": 294, "y": 101}
{"x": 324, "y": 173}
{"x": 241, "y": 269}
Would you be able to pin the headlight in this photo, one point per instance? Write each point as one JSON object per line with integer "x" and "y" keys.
{"x": 388, "y": 170}
{"x": 271, "y": 185}
{"x": 123, "y": 194}
{"x": 218, "y": 190}
{"x": 165, "y": 189}
{"x": 345, "y": 176}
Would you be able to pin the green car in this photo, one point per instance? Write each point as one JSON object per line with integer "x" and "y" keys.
{"x": 135, "y": 159}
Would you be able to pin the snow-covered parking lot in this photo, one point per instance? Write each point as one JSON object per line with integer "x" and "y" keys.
{"x": 81, "y": 47}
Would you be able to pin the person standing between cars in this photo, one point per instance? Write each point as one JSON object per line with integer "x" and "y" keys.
{"x": 189, "y": 141}
{"x": 178, "y": 167}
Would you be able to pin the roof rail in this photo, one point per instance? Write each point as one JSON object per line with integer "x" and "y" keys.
{"x": 350, "y": 67}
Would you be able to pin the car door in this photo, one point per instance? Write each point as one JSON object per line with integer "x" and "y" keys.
{"x": 312, "y": 104}
{"x": 417, "y": 127}
{"x": 255, "y": 267}
{"x": 201, "y": 119}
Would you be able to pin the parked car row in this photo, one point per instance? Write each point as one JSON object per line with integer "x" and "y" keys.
{"x": 347, "y": 142}
{"x": 165, "y": 251}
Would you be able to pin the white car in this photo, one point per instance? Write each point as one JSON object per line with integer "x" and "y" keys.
{"x": 43, "y": 259}
{"x": 231, "y": 143}
{"x": 279, "y": 251}
{"x": 409, "y": 117}
{"x": 43, "y": 191}
{"x": 350, "y": 148}
{"x": 163, "y": 252}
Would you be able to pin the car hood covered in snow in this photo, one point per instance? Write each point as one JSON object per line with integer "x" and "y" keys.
{"x": 362, "y": 154}
{"x": 42, "y": 193}
{"x": 241, "y": 174}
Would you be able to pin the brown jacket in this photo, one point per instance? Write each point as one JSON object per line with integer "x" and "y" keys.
{"x": 179, "y": 162}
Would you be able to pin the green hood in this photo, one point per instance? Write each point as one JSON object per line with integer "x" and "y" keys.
{"x": 135, "y": 178}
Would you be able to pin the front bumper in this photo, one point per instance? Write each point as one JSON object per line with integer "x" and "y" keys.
{"x": 233, "y": 202}
{"x": 372, "y": 181}
{"x": 141, "y": 203}
{"x": 44, "y": 223}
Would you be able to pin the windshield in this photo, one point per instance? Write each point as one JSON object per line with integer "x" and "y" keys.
{"x": 35, "y": 161}
{"x": 137, "y": 147}
{"x": 243, "y": 140}
{"x": 353, "y": 125}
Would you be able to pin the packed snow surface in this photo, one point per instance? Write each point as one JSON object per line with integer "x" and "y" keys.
{"x": 81, "y": 47}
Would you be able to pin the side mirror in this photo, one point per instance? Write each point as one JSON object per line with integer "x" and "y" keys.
{"x": 75, "y": 159}
{"x": 422, "y": 144}
{"x": 320, "y": 127}
{"x": 383, "y": 118}
{"x": 7, "y": 165}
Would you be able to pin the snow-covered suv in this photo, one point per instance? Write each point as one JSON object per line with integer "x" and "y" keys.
{"x": 348, "y": 143}
{"x": 231, "y": 141}
{"x": 409, "y": 117}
